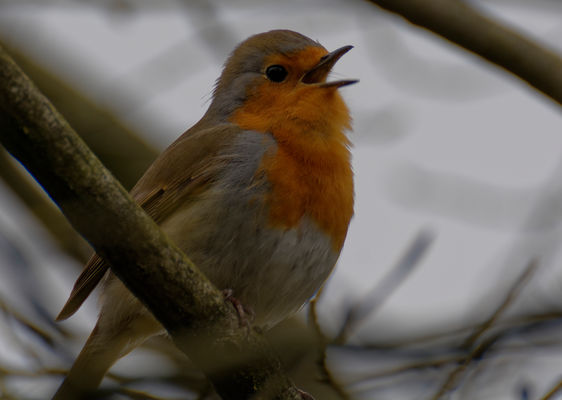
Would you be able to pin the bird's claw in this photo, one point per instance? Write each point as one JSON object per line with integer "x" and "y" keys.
{"x": 304, "y": 395}
{"x": 245, "y": 314}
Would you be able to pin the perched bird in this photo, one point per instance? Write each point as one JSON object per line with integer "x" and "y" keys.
{"x": 258, "y": 194}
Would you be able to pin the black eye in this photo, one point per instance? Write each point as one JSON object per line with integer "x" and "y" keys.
{"x": 276, "y": 73}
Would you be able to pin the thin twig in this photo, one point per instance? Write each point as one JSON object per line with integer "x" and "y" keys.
{"x": 508, "y": 324}
{"x": 45, "y": 336}
{"x": 553, "y": 391}
{"x": 415, "y": 366}
{"x": 368, "y": 304}
{"x": 478, "y": 350}
{"x": 322, "y": 340}
{"x": 508, "y": 300}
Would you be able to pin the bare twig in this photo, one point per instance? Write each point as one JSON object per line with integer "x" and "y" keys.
{"x": 321, "y": 361}
{"x": 42, "y": 334}
{"x": 478, "y": 350}
{"x": 43, "y": 209}
{"x": 506, "y": 326}
{"x": 553, "y": 391}
{"x": 363, "y": 308}
{"x": 508, "y": 300}
{"x": 460, "y": 23}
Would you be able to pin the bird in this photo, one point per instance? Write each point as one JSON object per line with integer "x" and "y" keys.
{"x": 259, "y": 194}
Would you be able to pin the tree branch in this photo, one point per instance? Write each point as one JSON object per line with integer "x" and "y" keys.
{"x": 191, "y": 309}
{"x": 463, "y": 25}
{"x": 43, "y": 209}
{"x": 119, "y": 148}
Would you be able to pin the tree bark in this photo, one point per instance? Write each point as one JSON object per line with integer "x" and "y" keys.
{"x": 239, "y": 363}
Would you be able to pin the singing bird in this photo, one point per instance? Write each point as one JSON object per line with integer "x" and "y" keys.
{"x": 258, "y": 194}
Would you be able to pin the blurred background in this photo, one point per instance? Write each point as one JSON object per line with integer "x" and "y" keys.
{"x": 450, "y": 282}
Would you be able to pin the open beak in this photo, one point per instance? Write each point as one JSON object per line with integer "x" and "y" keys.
{"x": 318, "y": 74}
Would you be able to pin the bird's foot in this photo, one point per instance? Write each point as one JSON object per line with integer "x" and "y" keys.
{"x": 245, "y": 314}
{"x": 304, "y": 395}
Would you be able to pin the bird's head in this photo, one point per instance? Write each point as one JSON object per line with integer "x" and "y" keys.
{"x": 277, "y": 76}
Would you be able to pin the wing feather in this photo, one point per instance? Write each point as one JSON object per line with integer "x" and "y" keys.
{"x": 178, "y": 174}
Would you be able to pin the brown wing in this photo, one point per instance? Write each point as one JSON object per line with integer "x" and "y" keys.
{"x": 180, "y": 172}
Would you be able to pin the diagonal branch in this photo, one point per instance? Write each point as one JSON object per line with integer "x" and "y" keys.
{"x": 43, "y": 209}
{"x": 465, "y": 26}
{"x": 376, "y": 297}
{"x": 191, "y": 309}
{"x": 477, "y": 350}
{"x": 553, "y": 391}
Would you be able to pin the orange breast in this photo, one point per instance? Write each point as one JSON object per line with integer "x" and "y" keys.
{"x": 310, "y": 173}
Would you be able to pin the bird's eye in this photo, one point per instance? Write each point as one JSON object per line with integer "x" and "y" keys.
{"x": 276, "y": 73}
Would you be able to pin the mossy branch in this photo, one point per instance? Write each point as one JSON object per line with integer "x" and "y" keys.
{"x": 191, "y": 309}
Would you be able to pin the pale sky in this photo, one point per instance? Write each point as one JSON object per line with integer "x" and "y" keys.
{"x": 443, "y": 140}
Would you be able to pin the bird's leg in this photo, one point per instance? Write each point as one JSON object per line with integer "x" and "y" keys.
{"x": 304, "y": 395}
{"x": 245, "y": 314}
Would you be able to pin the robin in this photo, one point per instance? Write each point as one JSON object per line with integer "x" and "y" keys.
{"x": 258, "y": 194}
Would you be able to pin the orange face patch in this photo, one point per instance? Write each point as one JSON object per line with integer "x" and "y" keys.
{"x": 310, "y": 174}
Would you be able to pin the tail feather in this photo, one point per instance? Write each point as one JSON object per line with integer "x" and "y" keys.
{"x": 96, "y": 358}
{"x": 123, "y": 324}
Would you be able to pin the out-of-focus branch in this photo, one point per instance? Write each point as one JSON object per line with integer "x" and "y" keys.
{"x": 477, "y": 349}
{"x": 510, "y": 297}
{"x": 121, "y": 150}
{"x": 554, "y": 391}
{"x": 192, "y": 310}
{"x": 322, "y": 352}
{"x": 377, "y": 296}
{"x": 43, "y": 209}
{"x": 463, "y": 25}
